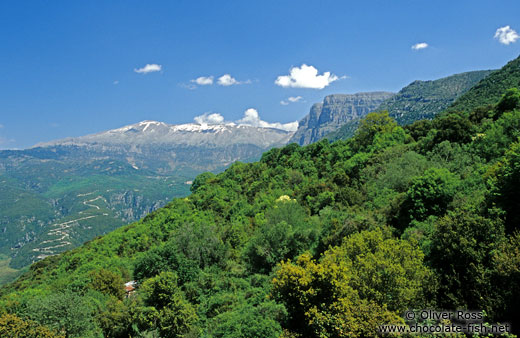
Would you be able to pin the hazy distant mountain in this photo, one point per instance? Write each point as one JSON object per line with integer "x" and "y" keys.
{"x": 335, "y": 111}
{"x": 420, "y": 100}
{"x": 60, "y": 194}
{"x": 166, "y": 148}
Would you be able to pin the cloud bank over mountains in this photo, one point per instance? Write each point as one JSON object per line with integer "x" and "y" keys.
{"x": 251, "y": 118}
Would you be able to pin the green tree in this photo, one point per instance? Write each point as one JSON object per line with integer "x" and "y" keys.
{"x": 497, "y": 137}
{"x": 200, "y": 180}
{"x": 453, "y": 127}
{"x": 12, "y": 326}
{"x": 462, "y": 250}
{"x": 506, "y": 180}
{"x": 175, "y": 316}
{"x": 166, "y": 257}
{"x": 200, "y": 242}
{"x": 506, "y": 300}
{"x": 509, "y": 101}
{"x": 429, "y": 194}
{"x": 107, "y": 282}
{"x": 353, "y": 288}
{"x": 246, "y": 320}
{"x": 65, "y": 312}
{"x": 286, "y": 232}
{"x": 370, "y": 126}
{"x": 120, "y": 319}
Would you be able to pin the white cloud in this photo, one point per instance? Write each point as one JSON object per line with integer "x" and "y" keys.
{"x": 1, "y": 126}
{"x": 228, "y": 80}
{"x": 506, "y": 35}
{"x": 251, "y": 118}
{"x": 291, "y": 99}
{"x": 306, "y": 77}
{"x": 209, "y": 118}
{"x": 203, "y": 80}
{"x": 116, "y": 82}
{"x": 421, "y": 45}
{"x": 225, "y": 80}
{"x": 294, "y": 98}
{"x": 149, "y": 68}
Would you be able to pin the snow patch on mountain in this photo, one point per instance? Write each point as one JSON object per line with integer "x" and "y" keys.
{"x": 189, "y": 134}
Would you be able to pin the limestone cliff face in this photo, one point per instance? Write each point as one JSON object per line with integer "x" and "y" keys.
{"x": 421, "y": 100}
{"x": 335, "y": 111}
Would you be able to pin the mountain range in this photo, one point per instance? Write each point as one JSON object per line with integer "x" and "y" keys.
{"x": 323, "y": 240}
{"x": 490, "y": 89}
{"x": 57, "y": 195}
{"x": 419, "y": 100}
{"x": 60, "y": 194}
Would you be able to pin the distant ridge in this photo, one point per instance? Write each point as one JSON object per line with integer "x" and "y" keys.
{"x": 194, "y": 134}
{"x": 490, "y": 89}
{"x": 334, "y": 111}
{"x": 420, "y": 100}
{"x": 425, "y": 99}
{"x": 59, "y": 194}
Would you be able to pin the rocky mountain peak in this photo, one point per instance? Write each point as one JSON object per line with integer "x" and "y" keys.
{"x": 334, "y": 111}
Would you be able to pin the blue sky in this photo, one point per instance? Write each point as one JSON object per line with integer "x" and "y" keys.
{"x": 69, "y": 67}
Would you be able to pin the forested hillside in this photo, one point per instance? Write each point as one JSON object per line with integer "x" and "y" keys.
{"x": 326, "y": 240}
{"x": 419, "y": 100}
{"x": 490, "y": 89}
{"x": 424, "y": 99}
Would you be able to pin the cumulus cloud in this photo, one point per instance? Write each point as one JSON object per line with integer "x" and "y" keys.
{"x": 209, "y": 118}
{"x": 291, "y": 99}
{"x": 421, "y": 45}
{"x": 305, "y": 77}
{"x": 506, "y": 35}
{"x": 251, "y": 118}
{"x": 149, "y": 68}
{"x": 227, "y": 80}
{"x": 203, "y": 80}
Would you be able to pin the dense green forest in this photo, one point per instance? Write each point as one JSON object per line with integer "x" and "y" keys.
{"x": 326, "y": 240}
{"x": 489, "y": 90}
